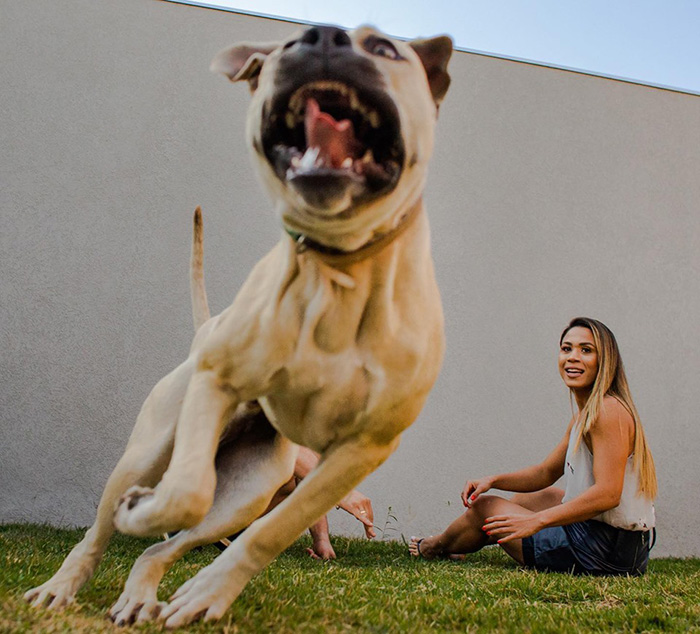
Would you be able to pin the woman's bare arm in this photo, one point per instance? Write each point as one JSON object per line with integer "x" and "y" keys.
{"x": 611, "y": 446}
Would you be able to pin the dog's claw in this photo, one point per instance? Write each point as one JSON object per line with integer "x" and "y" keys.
{"x": 49, "y": 597}
{"x": 205, "y": 596}
{"x": 127, "y": 611}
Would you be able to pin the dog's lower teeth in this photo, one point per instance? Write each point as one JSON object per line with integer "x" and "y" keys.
{"x": 347, "y": 163}
{"x": 309, "y": 159}
{"x": 290, "y": 120}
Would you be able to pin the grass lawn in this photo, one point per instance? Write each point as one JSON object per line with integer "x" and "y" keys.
{"x": 371, "y": 587}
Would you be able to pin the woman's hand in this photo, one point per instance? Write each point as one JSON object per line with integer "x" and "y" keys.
{"x": 509, "y": 527}
{"x": 361, "y": 507}
{"x": 474, "y": 488}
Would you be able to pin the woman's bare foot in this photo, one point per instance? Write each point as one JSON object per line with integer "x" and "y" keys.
{"x": 423, "y": 547}
{"x": 321, "y": 550}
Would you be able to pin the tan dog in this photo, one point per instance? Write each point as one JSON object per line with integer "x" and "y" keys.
{"x": 337, "y": 333}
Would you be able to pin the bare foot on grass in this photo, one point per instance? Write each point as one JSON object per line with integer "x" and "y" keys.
{"x": 321, "y": 550}
{"x": 422, "y": 547}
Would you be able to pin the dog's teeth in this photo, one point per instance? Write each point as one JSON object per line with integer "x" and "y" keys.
{"x": 347, "y": 163}
{"x": 309, "y": 159}
{"x": 290, "y": 120}
{"x": 374, "y": 119}
{"x": 296, "y": 161}
{"x": 368, "y": 157}
{"x": 354, "y": 101}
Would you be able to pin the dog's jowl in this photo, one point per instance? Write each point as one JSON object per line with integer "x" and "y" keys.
{"x": 333, "y": 342}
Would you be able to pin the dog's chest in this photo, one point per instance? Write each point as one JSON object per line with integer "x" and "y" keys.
{"x": 345, "y": 362}
{"x": 321, "y": 400}
{"x": 327, "y": 361}
{"x": 318, "y": 410}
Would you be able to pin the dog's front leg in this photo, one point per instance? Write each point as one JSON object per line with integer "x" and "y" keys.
{"x": 143, "y": 463}
{"x": 79, "y": 565}
{"x": 185, "y": 494}
{"x": 209, "y": 593}
{"x": 249, "y": 472}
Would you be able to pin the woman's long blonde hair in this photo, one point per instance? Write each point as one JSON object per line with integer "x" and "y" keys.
{"x": 611, "y": 380}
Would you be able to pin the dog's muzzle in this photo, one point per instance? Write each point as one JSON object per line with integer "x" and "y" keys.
{"x": 331, "y": 128}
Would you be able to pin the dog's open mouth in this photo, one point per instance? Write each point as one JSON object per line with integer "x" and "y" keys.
{"x": 327, "y": 135}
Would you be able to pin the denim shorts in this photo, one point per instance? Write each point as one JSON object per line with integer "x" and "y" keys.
{"x": 589, "y": 547}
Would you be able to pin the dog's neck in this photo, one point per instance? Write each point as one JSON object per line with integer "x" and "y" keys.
{"x": 339, "y": 257}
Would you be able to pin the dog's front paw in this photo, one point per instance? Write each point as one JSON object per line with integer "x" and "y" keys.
{"x": 59, "y": 591}
{"x": 134, "y": 496}
{"x": 51, "y": 595}
{"x": 137, "y": 513}
{"x": 130, "y": 609}
{"x": 206, "y": 596}
{"x": 145, "y": 512}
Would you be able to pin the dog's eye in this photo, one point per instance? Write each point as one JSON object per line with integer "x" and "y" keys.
{"x": 382, "y": 48}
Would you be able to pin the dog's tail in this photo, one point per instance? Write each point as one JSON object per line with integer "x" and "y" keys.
{"x": 198, "y": 292}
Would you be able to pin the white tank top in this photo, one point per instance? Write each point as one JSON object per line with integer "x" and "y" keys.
{"x": 634, "y": 512}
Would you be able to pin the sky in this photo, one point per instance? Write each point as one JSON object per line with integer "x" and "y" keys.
{"x": 650, "y": 41}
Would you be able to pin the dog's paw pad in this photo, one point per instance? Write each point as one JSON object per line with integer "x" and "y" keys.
{"x": 133, "y": 496}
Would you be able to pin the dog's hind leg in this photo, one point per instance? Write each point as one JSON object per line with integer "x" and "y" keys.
{"x": 144, "y": 461}
{"x": 250, "y": 469}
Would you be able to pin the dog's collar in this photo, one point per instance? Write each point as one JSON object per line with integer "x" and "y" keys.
{"x": 334, "y": 256}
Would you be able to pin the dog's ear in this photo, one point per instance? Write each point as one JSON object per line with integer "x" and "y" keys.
{"x": 243, "y": 61}
{"x": 435, "y": 53}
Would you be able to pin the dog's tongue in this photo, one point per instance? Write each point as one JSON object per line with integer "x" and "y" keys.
{"x": 334, "y": 139}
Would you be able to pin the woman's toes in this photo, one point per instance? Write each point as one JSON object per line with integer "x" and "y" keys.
{"x": 414, "y": 547}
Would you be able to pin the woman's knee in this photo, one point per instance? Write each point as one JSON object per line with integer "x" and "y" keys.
{"x": 485, "y": 505}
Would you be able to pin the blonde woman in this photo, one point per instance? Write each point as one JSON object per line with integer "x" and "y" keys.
{"x": 601, "y": 522}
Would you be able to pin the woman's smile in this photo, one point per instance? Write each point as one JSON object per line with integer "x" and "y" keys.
{"x": 578, "y": 359}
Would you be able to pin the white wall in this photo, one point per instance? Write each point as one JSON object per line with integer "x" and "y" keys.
{"x": 551, "y": 194}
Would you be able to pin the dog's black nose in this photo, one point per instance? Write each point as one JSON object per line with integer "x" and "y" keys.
{"x": 325, "y": 37}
